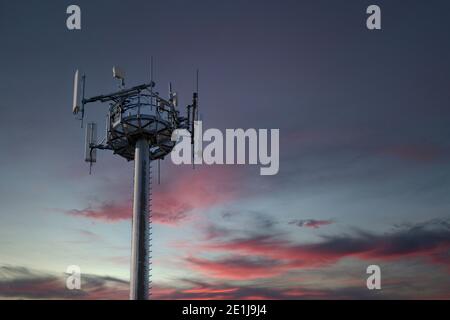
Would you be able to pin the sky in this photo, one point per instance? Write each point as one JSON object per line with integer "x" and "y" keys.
{"x": 364, "y": 171}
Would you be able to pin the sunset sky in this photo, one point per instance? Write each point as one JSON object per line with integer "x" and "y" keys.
{"x": 364, "y": 119}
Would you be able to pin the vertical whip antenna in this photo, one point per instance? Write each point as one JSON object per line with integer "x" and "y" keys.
{"x": 76, "y": 106}
{"x": 151, "y": 102}
{"x": 151, "y": 79}
{"x": 83, "y": 86}
{"x": 194, "y": 117}
{"x": 151, "y": 68}
{"x": 196, "y": 82}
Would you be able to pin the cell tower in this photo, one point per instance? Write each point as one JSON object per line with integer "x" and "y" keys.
{"x": 139, "y": 127}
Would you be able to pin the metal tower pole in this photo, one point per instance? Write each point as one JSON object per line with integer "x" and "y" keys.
{"x": 139, "y": 282}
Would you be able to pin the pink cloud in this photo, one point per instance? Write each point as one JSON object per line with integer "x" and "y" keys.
{"x": 235, "y": 269}
{"x": 430, "y": 241}
{"x": 108, "y": 212}
{"x": 209, "y": 290}
{"x": 172, "y": 202}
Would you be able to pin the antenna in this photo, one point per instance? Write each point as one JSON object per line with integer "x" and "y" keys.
{"x": 196, "y": 81}
{"x": 151, "y": 81}
{"x": 173, "y": 96}
{"x": 90, "y": 153}
{"x": 194, "y": 116}
{"x": 75, "y": 104}
{"x": 151, "y": 68}
{"x": 119, "y": 74}
{"x": 139, "y": 127}
{"x": 83, "y": 79}
{"x": 76, "y": 100}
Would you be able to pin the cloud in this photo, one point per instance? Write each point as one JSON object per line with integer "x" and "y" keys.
{"x": 107, "y": 212}
{"x": 311, "y": 223}
{"x": 429, "y": 241}
{"x": 89, "y": 234}
{"x": 206, "y": 290}
{"x": 175, "y": 201}
{"x": 198, "y": 189}
{"x": 214, "y": 232}
{"x": 237, "y": 268}
{"x": 220, "y": 291}
{"x": 198, "y": 290}
{"x": 23, "y": 283}
{"x": 169, "y": 217}
{"x": 114, "y": 212}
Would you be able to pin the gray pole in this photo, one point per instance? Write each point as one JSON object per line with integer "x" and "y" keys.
{"x": 139, "y": 282}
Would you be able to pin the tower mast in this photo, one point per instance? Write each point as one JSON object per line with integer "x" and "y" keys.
{"x": 140, "y": 238}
